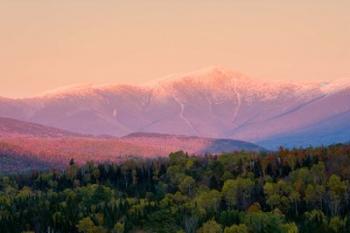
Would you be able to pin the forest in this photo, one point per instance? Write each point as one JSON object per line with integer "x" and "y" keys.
{"x": 303, "y": 190}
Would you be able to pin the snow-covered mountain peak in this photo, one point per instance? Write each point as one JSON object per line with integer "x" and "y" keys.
{"x": 211, "y": 102}
{"x": 216, "y": 80}
{"x": 212, "y": 74}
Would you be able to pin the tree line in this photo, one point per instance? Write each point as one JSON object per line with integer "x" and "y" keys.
{"x": 288, "y": 191}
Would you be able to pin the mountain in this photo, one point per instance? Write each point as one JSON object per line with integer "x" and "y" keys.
{"x": 27, "y": 146}
{"x": 191, "y": 144}
{"x": 13, "y": 128}
{"x": 210, "y": 103}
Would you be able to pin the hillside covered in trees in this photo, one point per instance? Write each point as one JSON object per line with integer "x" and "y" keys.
{"x": 289, "y": 191}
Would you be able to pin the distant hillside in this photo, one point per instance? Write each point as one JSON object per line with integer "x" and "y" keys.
{"x": 25, "y": 146}
{"x": 191, "y": 144}
{"x": 12, "y": 127}
{"x": 14, "y": 159}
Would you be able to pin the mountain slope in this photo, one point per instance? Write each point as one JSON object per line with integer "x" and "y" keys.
{"x": 26, "y": 146}
{"x": 214, "y": 103}
{"x": 11, "y": 127}
{"x": 333, "y": 130}
{"x": 191, "y": 144}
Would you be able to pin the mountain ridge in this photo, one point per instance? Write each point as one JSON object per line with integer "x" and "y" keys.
{"x": 11, "y": 127}
{"x": 25, "y": 146}
{"x": 207, "y": 72}
{"x": 213, "y": 103}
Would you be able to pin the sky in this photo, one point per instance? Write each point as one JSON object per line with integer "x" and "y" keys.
{"x": 46, "y": 44}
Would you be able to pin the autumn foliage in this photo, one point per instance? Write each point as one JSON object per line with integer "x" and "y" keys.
{"x": 289, "y": 191}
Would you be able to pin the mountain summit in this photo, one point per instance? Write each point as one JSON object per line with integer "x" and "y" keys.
{"x": 213, "y": 102}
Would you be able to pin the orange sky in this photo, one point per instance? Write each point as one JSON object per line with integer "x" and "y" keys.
{"x": 45, "y": 44}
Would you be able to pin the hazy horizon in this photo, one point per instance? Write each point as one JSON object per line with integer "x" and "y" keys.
{"x": 47, "y": 44}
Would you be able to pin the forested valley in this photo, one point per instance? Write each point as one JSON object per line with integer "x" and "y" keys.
{"x": 288, "y": 191}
